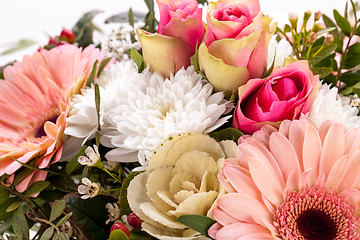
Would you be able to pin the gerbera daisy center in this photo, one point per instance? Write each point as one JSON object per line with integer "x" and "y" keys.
{"x": 316, "y": 213}
{"x": 40, "y": 131}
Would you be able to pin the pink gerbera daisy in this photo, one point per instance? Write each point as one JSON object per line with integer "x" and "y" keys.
{"x": 33, "y": 106}
{"x": 298, "y": 182}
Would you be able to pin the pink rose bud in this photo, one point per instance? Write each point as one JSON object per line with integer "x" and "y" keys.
{"x": 67, "y": 35}
{"x": 180, "y": 29}
{"x": 286, "y": 94}
{"x": 235, "y": 48}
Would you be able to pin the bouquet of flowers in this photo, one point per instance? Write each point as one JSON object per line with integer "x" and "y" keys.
{"x": 176, "y": 128}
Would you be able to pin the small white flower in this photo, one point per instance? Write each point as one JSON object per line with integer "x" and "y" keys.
{"x": 118, "y": 42}
{"x": 328, "y": 105}
{"x": 89, "y": 189}
{"x": 114, "y": 212}
{"x": 92, "y": 158}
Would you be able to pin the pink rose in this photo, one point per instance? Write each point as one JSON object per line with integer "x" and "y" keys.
{"x": 285, "y": 94}
{"x": 182, "y": 19}
{"x": 180, "y": 29}
{"x": 235, "y": 48}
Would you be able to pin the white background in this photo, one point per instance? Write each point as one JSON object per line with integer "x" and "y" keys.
{"x": 39, "y": 19}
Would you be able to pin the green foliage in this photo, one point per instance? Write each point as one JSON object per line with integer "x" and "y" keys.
{"x": 16, "y": 46}
{"x": 138, "y": 59}
{"x": 118, "y": 234}
{"x": 19, "y": 224}
{"x": 36, "y": 187}
{"x": 88, "y": 215}
{"x": 84, "y": 29}
{"x": 227, "y": 134}
{"x": 197, "y": 222}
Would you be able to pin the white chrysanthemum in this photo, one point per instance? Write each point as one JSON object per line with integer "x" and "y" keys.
{"x": 282, "y": 49}
{"x": 328, "y": 105}
{"x": 82, "y": 121}
{"x": 147, "y": 109}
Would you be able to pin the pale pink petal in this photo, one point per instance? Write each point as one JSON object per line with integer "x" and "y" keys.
{"x": 333, "y": 147}
{"x": 338, "y": 171}
{"x": 311, "y": 152}
{"x": 285, "y": 155}
{"x": 266, "y": 180}
{"x": 242, "y": 231}
{"x": 243, "y": 207}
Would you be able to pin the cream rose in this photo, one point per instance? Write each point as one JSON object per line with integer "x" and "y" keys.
{"x": 181, "y": 179}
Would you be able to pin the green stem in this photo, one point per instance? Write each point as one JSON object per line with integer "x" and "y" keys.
{"x": 111, "y": 175}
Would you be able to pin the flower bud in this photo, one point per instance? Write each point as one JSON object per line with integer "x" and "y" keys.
{"x": 307, "y": 15}
{"x": 318, "y": 26}
{"x": 328, "y": 40}
{"x": 67, "y": 35}
{"x": 293, "y": 18}
{"x": 313, "y": 37}
{"x": 317, "y": 16}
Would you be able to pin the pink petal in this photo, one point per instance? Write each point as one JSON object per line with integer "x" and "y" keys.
{"x": 222, "y": 217}
{"x": 243, "y": 207}
{"x": 243, "y": 231}
{"x": 241, "y": 180}
{"x": 311, "y": 152}
{"x": 266, "y": 180}
{"x": 338, "y": 171}
{"x": 333, "y": 147}
{"x": 285, "y": 155}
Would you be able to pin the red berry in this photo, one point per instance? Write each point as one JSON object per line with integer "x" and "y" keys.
{"x": 120, "y": 226}
{"x": 67, "y": 35}
{"x": 52, "y": 41}
{"x": 134, "y": 220}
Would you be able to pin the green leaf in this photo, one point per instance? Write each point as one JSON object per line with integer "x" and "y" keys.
{"x": 19, "y": 45}
{"x": 47, "y": 234}
{"x": 4, "y": 195}
{"x": 197, "y": 222}
{"x": 138, "y": 59}
{"x": 343, "y": 23}
{"x": 150, "y": 4}
{"x": 353, "y": 9}
{"x": 139, "y": 235}
{"x": 323, "y": 71}
{"x": 325, "y": 30}
{"x": 357, "y": 31}
{"x": 97, "y": 104}
{"x": 73, "y": 164}
{"x": 350, "y": 78}
{"x": 89, "y": 215}
{"x": 84, "y": 28}
{"x": 57, "y": 210}
{"x": 329, "y": 23}
{"x": 61, "y": 236}
{"x": 13, "y": 206}
{"x": 92, "y": 74}
{"x": 103, "y": 65}
{"x": 352, "y": 56}
{"x": 227, "y": 134}
{"x": 63, "y": 219}
{"x": 36, "y": 187}
{"x": 64, "y": 184}
{"x": 124, "y": 205}
{"x": 323, "y": 54}
{"x": 21, "y": 175}
{"x": 50, "y": 195}
{"x": 118, "y": 234}
{"x": 19, "y": 224}
{"x": 202, "y": 2}
{"x": 4, "y": 215}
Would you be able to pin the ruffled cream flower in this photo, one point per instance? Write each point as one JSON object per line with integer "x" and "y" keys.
{"x": 180, "y": 179}
{"x": 145, "y": 109}
{"x": 329, "y": 106}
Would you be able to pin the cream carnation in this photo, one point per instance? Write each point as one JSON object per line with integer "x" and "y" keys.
{"x": 328, "y": 106}
{"x": 145, "y": 109}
